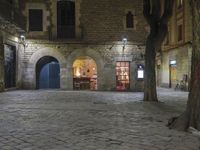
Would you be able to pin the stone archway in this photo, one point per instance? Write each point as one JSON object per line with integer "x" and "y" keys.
{"x": 86, "y": 52}
{"x": 30, "y": 71}
{"x": 85, "y": 74}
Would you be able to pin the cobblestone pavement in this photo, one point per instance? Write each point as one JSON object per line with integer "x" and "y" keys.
{"x": 73, "y": 120}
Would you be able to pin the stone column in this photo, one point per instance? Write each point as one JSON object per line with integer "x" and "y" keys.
{"x": 107, "y": 78}
{"x": 1, "y": 64}
{"x": 20, "y": 67}
{"x": 66, "y": 79}
{"x": 133, "y": 76}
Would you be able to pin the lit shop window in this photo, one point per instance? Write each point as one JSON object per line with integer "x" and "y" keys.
{"x": 123, "y": 75}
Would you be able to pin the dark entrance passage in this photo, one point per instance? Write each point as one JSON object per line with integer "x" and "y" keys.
{"x": 66, "y": 19}
{"x": 10, "y": 66}
{"x": 47, "y": 73}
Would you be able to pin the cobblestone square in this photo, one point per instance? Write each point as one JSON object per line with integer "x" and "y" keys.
{"x": 83, "y": 120}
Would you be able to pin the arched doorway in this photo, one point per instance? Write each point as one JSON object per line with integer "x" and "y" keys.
{"x": 84, "y": 74}
{"x": 48, "y": 73}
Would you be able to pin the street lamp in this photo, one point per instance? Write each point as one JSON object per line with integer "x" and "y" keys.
{"x": 124, "y": 40}
{"x": 22, "y": 40}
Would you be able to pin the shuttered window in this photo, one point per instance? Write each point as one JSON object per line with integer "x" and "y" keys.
{"x": 35, "y": 20}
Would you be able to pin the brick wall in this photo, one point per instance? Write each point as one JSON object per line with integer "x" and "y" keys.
{"x": 97, "y": 21}
{"x": 104, "y": 20}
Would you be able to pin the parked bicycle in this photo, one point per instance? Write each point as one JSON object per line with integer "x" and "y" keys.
{"x": 181, "y": 85}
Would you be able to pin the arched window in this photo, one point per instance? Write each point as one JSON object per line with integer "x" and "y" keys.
{"x": 129, "y": 20}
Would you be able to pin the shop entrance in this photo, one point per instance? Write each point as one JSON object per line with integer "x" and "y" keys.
{"x": 172, "y": 74}
{"x": 47, "y": 73}
{"x": 84, "y": 74}
{"x": 123, "y": 75}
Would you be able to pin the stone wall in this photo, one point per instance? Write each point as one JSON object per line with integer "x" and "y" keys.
{"x": 104, "y": 20}
{"x": 96, "y": 21}
{"x": 105, "y": 56}
{"x": 182, "y": 55}
{"x": 100, "y": 27}
{"x": 180, "y": 51}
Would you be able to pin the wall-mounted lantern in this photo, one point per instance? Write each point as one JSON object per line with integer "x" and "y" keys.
{"x": 22, "y": 40}
{"x": 124, "y": 40}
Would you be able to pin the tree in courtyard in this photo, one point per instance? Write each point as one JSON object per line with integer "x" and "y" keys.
{"x": 191, "y": 117}
{"x": 158, "y": 23}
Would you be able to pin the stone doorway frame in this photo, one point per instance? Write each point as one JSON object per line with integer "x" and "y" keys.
{"x": 81, "y": 53}
{"x": 30, "y": 71}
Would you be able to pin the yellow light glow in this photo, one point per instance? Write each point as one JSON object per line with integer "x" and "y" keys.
{"x": 78, "y": 74}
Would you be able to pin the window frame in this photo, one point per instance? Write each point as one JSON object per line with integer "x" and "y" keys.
{"x": 42, "y": 20}
{"x": 129, "y": 23}
{"x": 180, "y": 33}
{"x": 122, "y": 78}
{"x": 132, "y": 11}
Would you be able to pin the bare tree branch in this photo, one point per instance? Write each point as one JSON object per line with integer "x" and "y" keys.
{"x": 158, "y": 30}
{"x": 147, "y": 10}
{"x": 162, "y": 32}
{"x": 163, "y": 28}
{"x": 156, "y": 9}
{"x": 168, "y": 11}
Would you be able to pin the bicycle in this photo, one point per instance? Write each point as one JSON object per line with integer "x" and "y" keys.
{"x": 181, "y": 85}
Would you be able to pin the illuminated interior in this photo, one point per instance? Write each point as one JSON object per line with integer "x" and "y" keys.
{"x": 123, "y": 75}
{"x": 85, "y": 74}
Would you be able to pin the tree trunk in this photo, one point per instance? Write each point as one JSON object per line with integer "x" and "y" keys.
{"x": 158, "y": 30}
{"x": 191, "y": 117}
{"x": 1, "y": 63}
{"x": 150, "y": 93}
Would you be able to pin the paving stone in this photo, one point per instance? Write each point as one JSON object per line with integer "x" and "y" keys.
{"x": 83, "y": 120}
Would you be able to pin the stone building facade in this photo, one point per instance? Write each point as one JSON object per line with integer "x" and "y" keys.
{"x": 12, "y": 23}
{"x": 112, "y": 33}
{"x": 174, "y": 62}
{"x": 87, "y": 44}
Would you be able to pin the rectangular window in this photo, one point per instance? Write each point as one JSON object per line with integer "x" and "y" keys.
{"x": 123, "y": 75}
{"x": 180, "y": 33}
{"x": 66, "y": 18}
{"x": 35, "y": 20}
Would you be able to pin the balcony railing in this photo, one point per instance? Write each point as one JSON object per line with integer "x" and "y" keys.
{"x": 66, "y": 32}
{"x": 11, "y": 13}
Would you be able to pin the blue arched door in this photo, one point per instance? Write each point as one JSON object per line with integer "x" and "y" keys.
{"x": 48, "y": 73}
